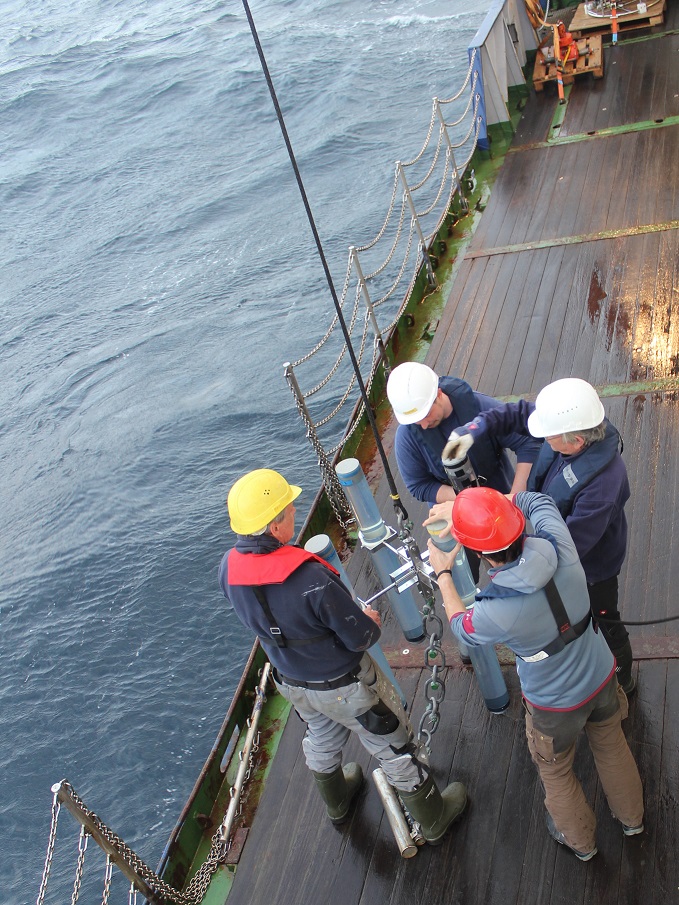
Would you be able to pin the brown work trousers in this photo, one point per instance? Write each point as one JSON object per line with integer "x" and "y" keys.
{"x": 552, "y": 737}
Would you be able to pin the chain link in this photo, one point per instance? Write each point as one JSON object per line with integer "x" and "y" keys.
{"x": 163, "y": 889}
{"x": 92, "y": 825}
{"x": 56, "y": 806}
{"x": 82, "y": 848}
{"x": 108, "y": 874}
{"x": 435, "y": 688}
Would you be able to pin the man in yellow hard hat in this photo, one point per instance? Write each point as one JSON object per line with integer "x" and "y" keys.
{"x": 316, "y": 637}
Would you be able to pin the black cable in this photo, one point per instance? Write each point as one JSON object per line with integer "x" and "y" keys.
{"x": 398, "y": 504}
{"x": 628, "y": 622}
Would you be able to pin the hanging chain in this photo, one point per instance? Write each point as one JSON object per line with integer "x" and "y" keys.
{"x": 82, "y": 848}
{"x": 107, "y": 881}
{"x": 92, "y": 825}
{"x": 163, "y": 889}
{"x": 132, "y": 897}
{"x": 435, "y": 689}
{"x": 201, "y": 879}
{"x": 56, "y": 806}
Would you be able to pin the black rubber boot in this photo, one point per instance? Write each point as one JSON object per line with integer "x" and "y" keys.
{"x": 338, "y": 790}
{"x": 623, "y": 670}
{"x": 436, "y": 812}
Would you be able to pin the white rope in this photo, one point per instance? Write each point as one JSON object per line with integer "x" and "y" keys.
{"x": 399, "y": 230}
{"x": 409, "y": 266}
{"x": 409, "y": 163}
{"x": 466, "y": 81}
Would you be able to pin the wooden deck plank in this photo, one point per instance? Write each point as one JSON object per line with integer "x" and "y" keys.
{"x": 460, "y": 308}
{"x": 526, "y": 320}
{"x": 460, "y": 338}
{"x": 529, "y": 378}
{"x": 585, "y": 103}
{"x": 573, "y": 186}
{"x": 514, "y": 184}
{"x": 536, "y": 119}
{"x": 617, "y": 155}
{"x": 666, "y": 886}
{"x": 644, "y": 730}
{"x": 637, "y": 428}
{"x": 616, "y": 183}
{"x": 490, "y": 344}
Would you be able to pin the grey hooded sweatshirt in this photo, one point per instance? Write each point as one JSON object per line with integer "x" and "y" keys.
{"x": 513, "y": 610}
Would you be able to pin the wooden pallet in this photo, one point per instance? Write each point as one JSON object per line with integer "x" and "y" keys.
{"x": 590, "y": 59}
{"x": 582, "y": 24}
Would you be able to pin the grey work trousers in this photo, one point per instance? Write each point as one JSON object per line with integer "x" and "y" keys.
{"x": 551, "y": 741}
{"x": 332, "y": 715}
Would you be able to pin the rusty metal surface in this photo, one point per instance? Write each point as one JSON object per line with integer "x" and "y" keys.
{"x": 238, "y": 840}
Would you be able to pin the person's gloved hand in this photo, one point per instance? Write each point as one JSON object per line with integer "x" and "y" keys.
{"x": 461, "y": 440}
{"x": 457, "y": 446}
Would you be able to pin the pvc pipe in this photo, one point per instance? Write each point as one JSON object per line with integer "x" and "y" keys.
{"x": 373, "y": 532}
{"x": 483, "y": 656}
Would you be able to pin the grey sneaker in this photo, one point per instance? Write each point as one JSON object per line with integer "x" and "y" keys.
{"x": 559, "y": 837}
{"x": 632, "y": 830}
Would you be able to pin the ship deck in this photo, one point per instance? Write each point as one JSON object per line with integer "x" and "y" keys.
{"x": 573, "y": 270}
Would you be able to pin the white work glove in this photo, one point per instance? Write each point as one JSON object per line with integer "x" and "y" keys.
{"x": 457, "y": 447}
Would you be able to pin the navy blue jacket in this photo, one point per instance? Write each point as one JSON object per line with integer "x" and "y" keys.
{"x": 312, "y": 603}
{"x": 418, "y": 451}
{"x": 591, "y": 497}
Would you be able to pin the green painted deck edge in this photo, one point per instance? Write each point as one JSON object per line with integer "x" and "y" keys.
{"x": 277, "y": 712}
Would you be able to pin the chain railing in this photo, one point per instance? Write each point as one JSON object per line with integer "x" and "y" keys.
{"x": 380, "y": 278}
{"x": 142, "y": 878}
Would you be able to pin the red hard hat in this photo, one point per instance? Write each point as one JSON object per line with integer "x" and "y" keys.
{"x": 486, "y": 521}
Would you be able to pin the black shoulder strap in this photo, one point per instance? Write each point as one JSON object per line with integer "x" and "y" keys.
{"x": 567, "y": 632}
{"x": 275, "y": 632}
{"x": 563, "y": 623}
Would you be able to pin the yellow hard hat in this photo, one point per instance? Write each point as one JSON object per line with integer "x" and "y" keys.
{"x": 257, "y": 498}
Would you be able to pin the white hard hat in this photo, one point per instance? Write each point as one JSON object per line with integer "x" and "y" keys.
{"x": 412, "y": 388}
{"x": 566, "y": 405}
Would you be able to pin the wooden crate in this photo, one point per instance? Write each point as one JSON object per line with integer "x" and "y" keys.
{"x": 590, "y": 59}
{"x": 582, "y": 24}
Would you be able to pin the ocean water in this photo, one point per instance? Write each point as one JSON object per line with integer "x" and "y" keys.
{"x": 157, "y": 270}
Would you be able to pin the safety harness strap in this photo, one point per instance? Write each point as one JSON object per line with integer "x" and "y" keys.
{"x": 567, "y": 632}
{"x": 276, "y": 633}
